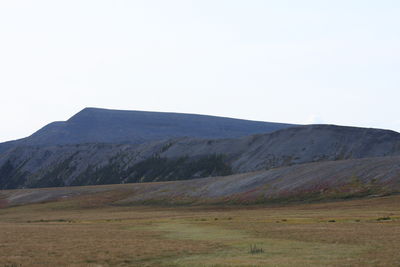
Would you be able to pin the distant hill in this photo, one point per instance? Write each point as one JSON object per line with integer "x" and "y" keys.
{"x": 186, "y": 158}
{"x": 94, "y": 125}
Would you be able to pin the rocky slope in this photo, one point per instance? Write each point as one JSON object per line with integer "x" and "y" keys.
{"x": 185, "y": 158}
{"x": 304, "y": 182}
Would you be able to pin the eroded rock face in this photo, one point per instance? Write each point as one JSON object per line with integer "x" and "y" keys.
{"x": 315, "y": 181}
{"x": 185, "y": 158}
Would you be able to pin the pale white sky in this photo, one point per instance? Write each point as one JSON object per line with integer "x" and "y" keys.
{"x": 310, "y": 61}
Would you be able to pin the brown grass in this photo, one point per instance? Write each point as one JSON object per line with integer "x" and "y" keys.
{"x": 85, "y": 233}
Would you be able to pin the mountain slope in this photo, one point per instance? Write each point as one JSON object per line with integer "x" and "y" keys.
{"x": 185, "y": 158}
{"x": 94, "y": 125}
{"x": 304, "y": 182}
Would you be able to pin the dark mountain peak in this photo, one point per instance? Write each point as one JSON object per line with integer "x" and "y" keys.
{"x": 97, "y": 112}
{"x": 97, "y": 125}
{"x": 91, "y": 113}
{"x": 156, "y": 117}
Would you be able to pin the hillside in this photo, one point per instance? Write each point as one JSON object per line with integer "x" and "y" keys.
{"x": 186, "y": 158}
{"x": 94, "y": 125}
{"x": 304, "y": 182}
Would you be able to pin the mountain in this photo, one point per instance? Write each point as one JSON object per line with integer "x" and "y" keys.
{"x": 94, "y": 125}
{"x": 186, "y": 157}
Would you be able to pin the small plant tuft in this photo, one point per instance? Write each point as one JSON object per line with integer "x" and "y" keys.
{"x": 255, "y": 250}
{"x": 387, "y": 218}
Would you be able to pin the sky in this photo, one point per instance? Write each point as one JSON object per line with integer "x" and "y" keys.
{"x": 309, "y": 61}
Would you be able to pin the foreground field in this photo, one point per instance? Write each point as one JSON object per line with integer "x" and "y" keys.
{"x": 79, "y": 232}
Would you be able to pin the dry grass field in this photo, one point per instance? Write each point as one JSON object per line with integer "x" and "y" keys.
{"x": 87, "y": 232}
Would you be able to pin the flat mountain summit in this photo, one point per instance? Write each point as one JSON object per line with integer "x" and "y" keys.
{"x": 95, "y": 125}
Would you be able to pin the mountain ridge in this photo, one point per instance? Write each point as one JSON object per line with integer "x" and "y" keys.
{"x": 96, "y": 125}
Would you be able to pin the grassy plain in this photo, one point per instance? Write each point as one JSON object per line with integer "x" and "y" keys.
{"x": 84, "y": 232}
